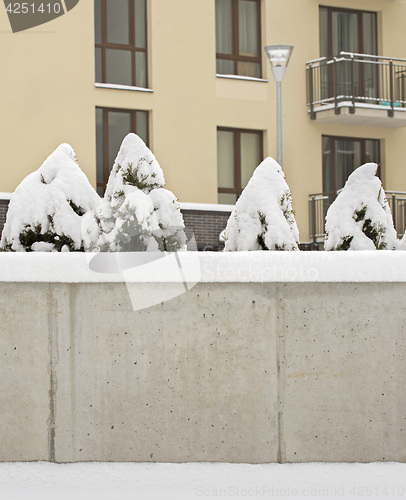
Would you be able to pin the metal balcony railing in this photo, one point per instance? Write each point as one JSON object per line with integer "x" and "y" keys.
{"x": 319, "y": 203}
{"x": 356, "y": 80}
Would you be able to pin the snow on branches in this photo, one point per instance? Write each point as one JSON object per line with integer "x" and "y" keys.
{"x": 137, "y": 213}
{"x": 360, "y": 217}
{"x": 46, "y": 210}
{"x": 263, "y": 218}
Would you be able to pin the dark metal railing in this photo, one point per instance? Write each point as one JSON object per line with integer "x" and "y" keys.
{"x": 397, "y": 203}
{"x": 319, "y": 204}
{"x": 356, "y": 80}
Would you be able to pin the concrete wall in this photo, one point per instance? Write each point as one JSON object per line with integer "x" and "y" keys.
{"x": 236, "y": 372}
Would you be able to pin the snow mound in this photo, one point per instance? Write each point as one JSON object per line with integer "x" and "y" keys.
{"x": 263, "y": 218}
{"x": 188, "y": 481}
{"x": 45, "y": 212}
{"x": 360, "y": 217}
{"x": 137, "y": 213}
{"x": 135, "y": 166}
{"x": 402, "y": 243}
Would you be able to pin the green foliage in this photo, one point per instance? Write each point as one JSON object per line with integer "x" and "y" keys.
{"x": 34, "y": 234}
{"x": 169, "y": 243}
{"x": 280, "y": 247}
{"x": 78, "y": 210}
{"x": 264, "y": 228}
{"x": 345, "y": 243}
{"x": 261, "y": 242}
{"x": 286, "y": 204}
{"x": 262, "y": 220}
{"x": 118, "y": 194}
{"x": 359, "y": 215}
{"x": 372, "y": 231}
{"x": 6, "y": 248}
{"x": 133, "y": 177}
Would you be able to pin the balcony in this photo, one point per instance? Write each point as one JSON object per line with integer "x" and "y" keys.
{"x": 357, "y": 89}
{"x": 319, "y": 203}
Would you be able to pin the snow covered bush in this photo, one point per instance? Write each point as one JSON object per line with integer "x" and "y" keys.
{"x": 360, "y": 217}
{"x": 402, "y": 243}
{"x": 45, "y": 212}
{"x": 263, "y": 218}
{"x": 137, "y": 214}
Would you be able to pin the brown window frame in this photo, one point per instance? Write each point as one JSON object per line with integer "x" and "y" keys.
{"x": 131, "y": 47}
{"x": 358, "y": 69}
{"x": 362, "y": 141}
{"x": 133, "y": 117}
{"x": 235, "y": 56}
{"x": 238, "y": 188}
{"x": 359, "y": 13}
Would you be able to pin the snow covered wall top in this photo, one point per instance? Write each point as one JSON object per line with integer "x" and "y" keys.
{"x": 208, "y": 267}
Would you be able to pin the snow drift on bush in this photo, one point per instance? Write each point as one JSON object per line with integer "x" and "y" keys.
{"x": 402, "y": 243}
{"x": 45, "y": 212}
{"x": 137, "y": 214}
{"x": 263, "y": 217}
{"x": 360, "y": 217}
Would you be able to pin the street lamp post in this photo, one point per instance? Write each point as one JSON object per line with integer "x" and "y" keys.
{"x": 278, "y": 56}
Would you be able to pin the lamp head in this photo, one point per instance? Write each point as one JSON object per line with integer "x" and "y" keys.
{"x": 278, "y": 56}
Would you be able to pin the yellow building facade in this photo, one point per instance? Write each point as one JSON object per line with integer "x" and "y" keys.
{"x": 68, "y": 81}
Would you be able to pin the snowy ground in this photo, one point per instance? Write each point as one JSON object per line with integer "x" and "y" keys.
{"x": 119, "y": 481}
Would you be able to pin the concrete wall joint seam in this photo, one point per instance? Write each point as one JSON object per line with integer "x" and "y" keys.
{"x": 53, "y": 358}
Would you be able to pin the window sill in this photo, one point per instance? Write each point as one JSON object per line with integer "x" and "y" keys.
{"x": 121, "y": 87}
{"x": 238, "y": 77}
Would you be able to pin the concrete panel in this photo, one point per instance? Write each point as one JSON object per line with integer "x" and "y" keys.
{"x": 192, "y": 379}
{"x": 237, "y": 372}
{"x": 343, "y": 377}
{"x": 25, "y": 316}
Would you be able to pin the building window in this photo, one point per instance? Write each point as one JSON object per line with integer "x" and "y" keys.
{"x": 349, "y": 31}
{"x": 112, "y": 125}
{"x": 121, "y": 42}
{"x": 239, "y": 152}
{"x": 342, "y": 155}
{"x": 238, "y": 37}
